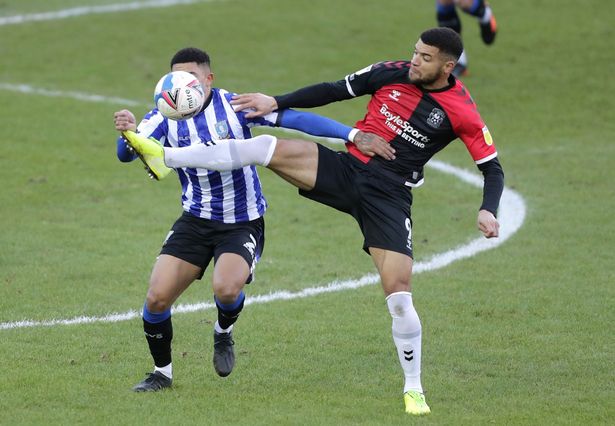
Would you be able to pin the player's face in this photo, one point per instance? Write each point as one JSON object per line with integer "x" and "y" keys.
{"x": 429, "y": 68}
{"x": 201, "y": 72}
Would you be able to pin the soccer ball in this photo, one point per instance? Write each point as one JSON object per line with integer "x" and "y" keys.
{"x": 179, "y": 95}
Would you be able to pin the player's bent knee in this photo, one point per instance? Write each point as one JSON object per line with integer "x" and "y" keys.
{"x": 227, "y": 293}
{"x": 157, "y": 302}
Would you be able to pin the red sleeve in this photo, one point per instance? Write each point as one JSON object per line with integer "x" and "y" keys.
{"x": 470, "y": 127}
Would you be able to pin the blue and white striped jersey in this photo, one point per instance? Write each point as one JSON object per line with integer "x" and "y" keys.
{"x": 229, "y": 197}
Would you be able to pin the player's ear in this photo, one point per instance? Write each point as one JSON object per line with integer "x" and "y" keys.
{"x": 449, "y": 66}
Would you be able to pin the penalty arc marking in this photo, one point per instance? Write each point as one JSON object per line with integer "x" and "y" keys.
{"x": 511, "y": 216}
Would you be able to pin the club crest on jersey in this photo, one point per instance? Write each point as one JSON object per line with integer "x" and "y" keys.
{"x": 222, "y": 129}
{"x": 436, "y": 117}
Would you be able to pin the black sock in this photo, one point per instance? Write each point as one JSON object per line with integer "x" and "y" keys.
{"x": 159, "y": 336}
{"x": 478, "y": 10}
{"x": 447, "y": 17}
{"x": 228, "y": 314}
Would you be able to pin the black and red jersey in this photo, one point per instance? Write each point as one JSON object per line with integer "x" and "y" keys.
{"x": 417, "y": 122}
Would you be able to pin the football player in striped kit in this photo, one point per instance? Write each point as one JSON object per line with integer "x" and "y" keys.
{"x": 222, "y": 215}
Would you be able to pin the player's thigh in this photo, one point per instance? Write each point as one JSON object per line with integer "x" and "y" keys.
{"x": 170, "y": 277}
{"x": 395, "y": 269}
{"x": 296, "y": 161}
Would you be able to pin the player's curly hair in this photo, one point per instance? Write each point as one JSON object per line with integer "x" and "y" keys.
{"x": 190, "y": 54}
{"x": 445, "y": 39}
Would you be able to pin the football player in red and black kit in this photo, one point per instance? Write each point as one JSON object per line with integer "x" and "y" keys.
{"x": 416, "y": 109}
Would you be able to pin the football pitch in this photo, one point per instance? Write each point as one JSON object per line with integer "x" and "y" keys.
{"x": 515, "y": 332}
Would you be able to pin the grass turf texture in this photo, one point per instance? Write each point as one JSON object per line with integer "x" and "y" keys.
{"x": 519, "y": 335}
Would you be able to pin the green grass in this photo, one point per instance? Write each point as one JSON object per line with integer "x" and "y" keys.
{"x": 517, "y": 335}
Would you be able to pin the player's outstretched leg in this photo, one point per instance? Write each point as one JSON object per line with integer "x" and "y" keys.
{"x": 150, "y": 152}
{"x": 223, "y": 155}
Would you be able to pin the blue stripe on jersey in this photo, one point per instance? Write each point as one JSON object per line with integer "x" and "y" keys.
{"x": 261, "y": 201}
{"x": 217, "y": 196}
{"x": 183, "y": 180}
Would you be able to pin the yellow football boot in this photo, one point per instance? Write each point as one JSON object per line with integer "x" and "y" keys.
{"x": 415, "y": 403}
{"x": 150, "y": 152}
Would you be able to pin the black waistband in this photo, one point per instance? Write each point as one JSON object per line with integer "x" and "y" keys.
{"x": 378, "y": 169}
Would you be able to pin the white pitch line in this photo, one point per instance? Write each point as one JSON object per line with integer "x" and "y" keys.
{"x": 511, "y": 216}
{"x": 79, "y": 96}
{"x": 90, "y": 10}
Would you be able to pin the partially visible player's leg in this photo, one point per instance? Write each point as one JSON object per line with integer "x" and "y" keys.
{"x": 446, "y": 15}
{"x": 236, "y": 256}
{"x": 170, "y": 277}
{"x": 230, "y": 275}
{"x": 296, "y": 161}
{"x": 486, "y": 19}
{"x": 395, "y": 273}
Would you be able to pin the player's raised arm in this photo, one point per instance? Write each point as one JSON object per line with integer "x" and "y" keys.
{"x": 307, "y": 97}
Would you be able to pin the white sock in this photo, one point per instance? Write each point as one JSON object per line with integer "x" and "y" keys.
{"x": 219, "y": 329}
{"x": 463, "y": 59}
{"x": 167, "y": 370}
{"x": 487, "y": 16}
{"x": 407, "y": 338}
{"x": 226, "y": 154}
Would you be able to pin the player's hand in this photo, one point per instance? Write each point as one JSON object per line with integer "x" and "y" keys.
{"x": 371, "y": 144}
{"x": 488, "y": 224}
{"x": 258, "y": 104}
{"x": 124, "y": 120}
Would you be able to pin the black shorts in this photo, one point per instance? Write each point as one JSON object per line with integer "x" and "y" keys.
{"x": 380, "y": 204}
{"x": 197, "y": 240}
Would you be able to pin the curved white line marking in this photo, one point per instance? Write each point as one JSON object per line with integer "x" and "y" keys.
{"x": 511, "y": 216}
{"x": 79, "y": 96}
{"x": 89, "y": 10}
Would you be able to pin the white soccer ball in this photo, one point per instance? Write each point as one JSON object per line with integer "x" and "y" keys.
{"x": 179, "y": 95}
